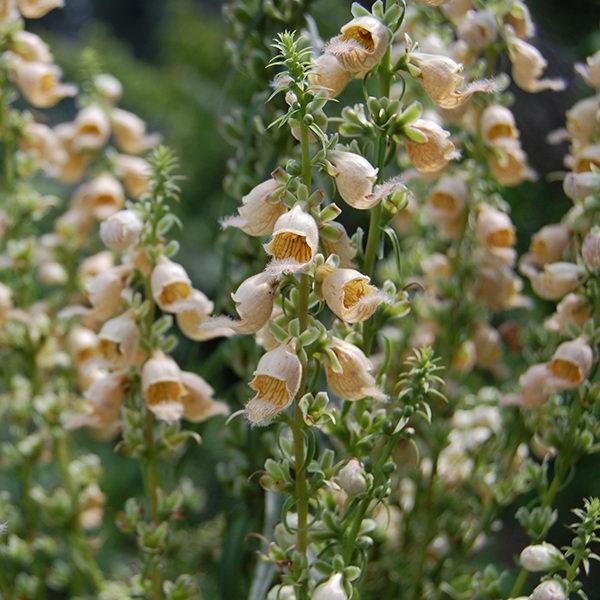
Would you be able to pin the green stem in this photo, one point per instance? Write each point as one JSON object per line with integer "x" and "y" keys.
{"x": 520, "y": 581}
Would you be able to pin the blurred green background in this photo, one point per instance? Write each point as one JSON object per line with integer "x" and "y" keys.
{"x": 171, "y": 59}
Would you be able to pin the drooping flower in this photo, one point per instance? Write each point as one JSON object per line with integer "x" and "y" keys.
{"x": 134, "y": 172}
{"x": 31, "y": 47}
{"x": 276, "y": 382}
{"x": 354, "y": 177}
{"x": 329, "y": 74}
{"x": 199, "y": 403}
{"x": 590, "y": 249}
{"x": 332, "y": 589}
{"x": 497, "y": 122}
{"x": 590, "y": 71}
{"x": 118, "y": 341}
{"x": 198, "y": 310}
{"x": 130, "y": 132}
{"x": 92, "y": 128}
{"x": 162, "y": 387}
{"x": 571, "y": 362}
{"x": 102, "y": 196}
{"x": 437, "y": 150}
{"x": 477, "y": 29}
{"x": 528, "y": 64}
{"x": 171, "y": 286}
{"x": 554, "y": 281}
{"x": 494, "y": 227}
{"x": 508, "y": 162}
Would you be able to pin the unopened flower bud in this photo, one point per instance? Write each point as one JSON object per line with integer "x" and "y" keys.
{"x": 354, "y": 177}
{"x": 572, "y": 362}
{"x": 109, "y": 87}
{"x": 162, "y": 387}
{"x": 332, "y": 589}
{"x": 261, "y": 207}
{"x": 121, "y": 230}
{"x": 437, "y": 150}
{"x": 130, "y": 132}
{"x": 477, "y": 29}
{"x": 549, "y": 590}
{"x": 351, "y": 478}
{"x": 295, "y": 240}
{"x": 541, "y": 557}
{"x": 590, "y": 250}
{"x": 329, "y": 74}
{"x": 82, "y": 344}
{"x": 341, "y": 245}
{"x": 353, "y": 379}
{"x": 350, "y": 296}
{"x": 276, "y": 382}
{"x": 171, "y": 286}
{"x": 53, "y": 273}
{"x": 361, "y": 44}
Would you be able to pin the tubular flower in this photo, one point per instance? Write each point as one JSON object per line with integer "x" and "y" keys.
{"x": 541, "y": 557}
{"x": 571, "y": 362}
{"x": 591, "y": 70}
{"x": 581, "y": 120}
{"x": 73, "y": 168}
{"x": 442, "y": 81}
{"x": 40, "y": 83}
{"x": 260, "y": 209}
{"x": 198, "y": 403}
{"x": 477, "y": 29}
{"x": 130, "y": 132}
{"x": 549, "y": 590}
{"x": 578, "y": 186}
{"x": 171, "y": 286}
{"x": 361, "y": 44}
{"x": 276, "y": 382}
{"x": 494, "y": 228}
{"x": 528, "y": 64}
{"x": 253, "y": 303}
{"x": 92, "y": 128}
{"x": 555, "y": 281}
{"x": 121, "y": 230}
{"x": 162, "y": 387}
{"x": 31, "y": 47}
{"x": 571, "y": 310}
{"x": 96, "y": 264}
{"x": 118, "y": 341}
{"x": 102, "y": 196}
{"x": 508, "y": 163}
{"x": 134, "y": 172}
{"x": 349, "y": 295}
{"x": 82, "y": 344}
{"x": 8, "y": 11}
{"x": 519, "y": 18}
{"x": 104, "y": 396}
{"x": 497, "y": 122}
{"x": 456, "y": 9}
{"x": 109, "y": 87}
{"x": 354, "y": 177}
{"x": 41, "y": 142}
{"x": 295, "y": 240}
{"x": 36, "y": 9}
{"x": 353, "y": 380}
{"x": 436, "y": 152}
{"x": 488, "y": 346}
{"x": 104, "y": 291}
{"x": 586, "y": 158}
{"x": 447, "y": 198}
{"x": 329, "y": 74}
{"x": 549, "y": 244}
{"x": 197, "y": 311}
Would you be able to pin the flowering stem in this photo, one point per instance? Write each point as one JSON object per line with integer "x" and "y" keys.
{"x": 519, "y": 582}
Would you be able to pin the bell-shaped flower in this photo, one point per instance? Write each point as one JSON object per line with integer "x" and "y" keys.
{"x": 528, "y": 65}
{"x": 109, "y": 87}
{"x": 497, "y": 122}
{"x": 31, "y": 47}
{"x": 260, "y": 209}
{"x": 329, "y": 74}
{"x": 118, "y": 341}
{"x": 162, "y": 387}
{"x": 199, "y": 404}
{"x": 354, "y": 177}
{"x": 104, "y": 291}
{"x": 134, "y": 173}
{"x": 508, "y": 163}
{"x": 42, "y": 143}
{"x": 554, "y": 281}
{"x": 92, "y": 128}
{"x": 494, "y": 228}
{"x": 572, "y": 362}
{"x": 102, "y": 196}
{"x": 130, "y": 132}
{"x": 351, "y": 378}
{"x": 197, "y": 311}
{"x": 590, "y": 249}
{"x": 171, "y": 286}
{"x": 276, "y": 382}
{"x": 590, "y": 71}
{"x": 436, "y": 152}
{"x": 350, "y": 296}
{"x": 477, "y": 29}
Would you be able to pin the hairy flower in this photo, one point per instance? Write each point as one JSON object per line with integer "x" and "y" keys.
{"x": 437, "y": 150}
{"x": 508, "y": 163}
{"x": 590, "y": 71}
{"x": 528, "y": 64}
{"x": 329, "y": 74}
{"x": 497, "y": 122}
{"x": 118, "y": 341}
{"x": 102, "y": 196}
{"x": 571, "y": 362}
{"x": 31, "y": 47}
{"x": 494, "y": 228}
{"x": 162, "y": 387}
{"x": 354, "y": 177}
{"x": 199, "y": 403}
{"x": 171, "y": 286}
{"x": 590, "y": 249}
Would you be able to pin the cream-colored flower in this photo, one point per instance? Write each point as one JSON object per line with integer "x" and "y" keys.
{"x": 31, "y": 47}
{"x": 508, "y": 163}
{"x": 464, "y": 357}
{"x": 549, "y": 590}
{"x": 40, "y": 82}
{"x": 82, "y": 344}
{"x": 351, "y": 478}
{"x": 92, "y": 128}
{"x": 36, "y": 9}
{"x": 354, "y": 381}
{"x": 8, "y": 11}
{"x": 528, "y": 64}
{"x": 198, "y": 310}
{"x": 591, "y": 70}
{"x": 554, "y": 281}
{"x": 572, "y": 362}
{"x": 436, "y": 267}
{"x": 350, "y": 296}
{"x": 105, "y": 396}
{"x": 549, "y": 243}
{"x": 6, "y": 302}
{"x": 436, "y": 152}
{"x": 130, "y": 132}
{"x": 109, "y": 87}
{"x": 590, "y": 249}
{"x": 361, "y": 44}
{"x": 198, "y": 403}
{"x": 494, "y": 228}
{"x": 332, "y": 589}
{"x": 497, "y": 122}
{"x": 519, "y": 18}
{"x": 578, "y": 186}
{"x": 328, "y": 73}
{"x": 582, "y": 121}
{"x": 477, "y": 29}
{"x": 295, "y": 240}
{"x": 455, "y": 10}
{"x": 91, "y": 503}
{"x": 41, "y": 142}
{"x": 162, "y": 387}
{"x": 340, "y": 244}
{"x": 253, "y": 302}
{"x": 447, "y": 198}
{"x": 102, "y": 196}
{"x": 104, "y": 291}
{"x": 73, "y": 168}
{"x": 571, "y": 310}
{"x": 586, "y": 158}
{"x": 488, "y": 346}
{"x": 498, "y": 287}
{"x": 95, "y": 264}
{"x": 260, "y": 209}
{"x": 121, "y": 230}
{"x": 134, "y": 172}
{"x": 171, "y": 286}
{"x": 541, "y": 557}
{"x": 118, "y": 341}
{"x": 52, "y": 273}
{"x": 442, "y": 81}
{"x": 354, "y": 178}
{"x": 276, "y": 382}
